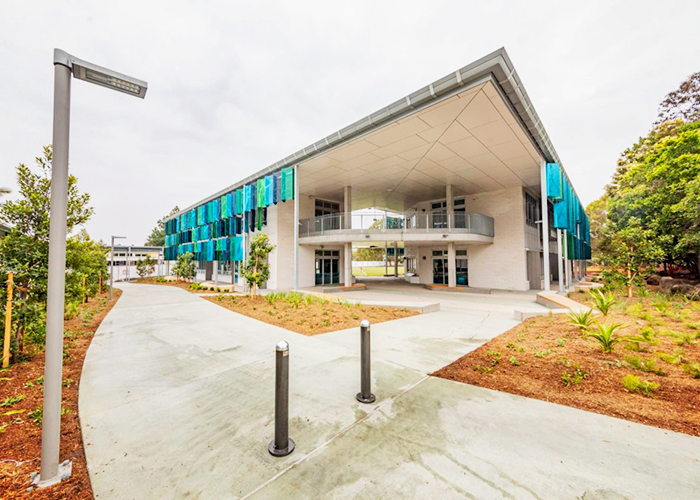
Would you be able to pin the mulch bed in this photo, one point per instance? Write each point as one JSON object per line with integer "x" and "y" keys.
{"x": 534, "y": 358}
{"x": 20, "y": 438}
{"x": 180, "y": 284}
{"x": 311, "y": 316}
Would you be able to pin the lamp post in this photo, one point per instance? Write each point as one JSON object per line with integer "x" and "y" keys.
{"x": 64, "y": 65}
{"x": 111, "y": 264}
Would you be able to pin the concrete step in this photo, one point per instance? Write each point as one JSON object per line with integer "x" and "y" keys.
{"x": 553, "y": 300}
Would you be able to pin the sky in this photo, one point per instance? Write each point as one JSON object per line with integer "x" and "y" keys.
{"x": 236, "y": 86}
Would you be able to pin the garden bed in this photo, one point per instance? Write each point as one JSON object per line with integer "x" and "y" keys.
{"x": 308, "y": 314}
{"x": 551, "y": 359}
{"x": 20, "y": 422}
{"x": 185, "y": 285}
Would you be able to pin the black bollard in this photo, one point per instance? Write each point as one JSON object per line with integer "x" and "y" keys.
{"x": 365, "y": 395}
{"x": 282, "y": 445}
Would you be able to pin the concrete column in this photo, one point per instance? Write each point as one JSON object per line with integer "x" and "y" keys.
{"x": 567, "y": 269}
{"x": 216, "y": 272}
{"x": 396, "y": 259}
{"x": 545, "y": 224}
{"x": 560, "y": 262}
{"x": 348, "y": 264}
{"x": 451, "y": 265}
{"x": 347, "y": 207}
{"x": 296, "y": 227}
{"x": 449, "y": 205}
{"x": 386, "y": 258}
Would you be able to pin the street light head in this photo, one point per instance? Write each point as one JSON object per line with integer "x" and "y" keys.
{"x": 83, "y": 70}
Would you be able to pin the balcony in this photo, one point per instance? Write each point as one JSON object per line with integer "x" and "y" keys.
{"x": 422, "y": 226}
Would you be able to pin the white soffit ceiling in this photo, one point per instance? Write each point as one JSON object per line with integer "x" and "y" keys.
{"x": 471, "y": 140}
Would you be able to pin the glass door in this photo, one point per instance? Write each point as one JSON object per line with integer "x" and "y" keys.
{"x": 327, "y": 268}
{"x": 440, "y": 273}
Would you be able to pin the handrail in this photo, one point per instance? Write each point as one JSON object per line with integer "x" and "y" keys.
{"x": 411, "y": 223}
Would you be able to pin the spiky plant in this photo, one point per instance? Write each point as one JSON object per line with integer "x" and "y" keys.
{"x": 605, "y": 334}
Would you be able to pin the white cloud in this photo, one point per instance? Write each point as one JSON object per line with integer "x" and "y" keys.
{"x": 235, "y": 87}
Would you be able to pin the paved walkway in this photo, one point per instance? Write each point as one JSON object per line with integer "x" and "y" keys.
{"x": 176, "y": 400}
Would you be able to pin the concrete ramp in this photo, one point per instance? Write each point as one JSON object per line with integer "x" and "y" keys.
{"x": 553, "y": 300}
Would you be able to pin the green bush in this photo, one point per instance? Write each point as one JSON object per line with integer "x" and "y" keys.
{"x": 605, "y": 334}
{"x": 603, "y": 301}
{"x": 573, "y": 378}
{"x": 582, "y": 319}
{"x": 634, "y": 384}
{"x": 644, "y": 365}
{"x": 693, "y": 368}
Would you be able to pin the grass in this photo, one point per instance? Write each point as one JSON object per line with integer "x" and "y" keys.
{"x": 375, "y": 271}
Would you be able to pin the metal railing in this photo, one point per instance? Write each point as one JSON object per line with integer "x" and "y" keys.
{"x": 414, "y": 223}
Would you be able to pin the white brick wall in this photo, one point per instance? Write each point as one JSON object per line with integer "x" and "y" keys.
{"x": 501, "y": 265}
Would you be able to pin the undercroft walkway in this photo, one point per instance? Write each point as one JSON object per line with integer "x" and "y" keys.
{"x": 176, "y": 400}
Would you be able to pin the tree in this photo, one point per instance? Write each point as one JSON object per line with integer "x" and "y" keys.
{"x": 86, "y": 266}
{"x": 185, "y": 267}
{"x": 157, "y": 236}
{"x": 630, "y": 247}
{"x": 145, "y": 267}
{"x": 25, "y": 249}
{"x": 682, "y": 104}
{"x": 256, "y": 271}
{"x": 597, "y": 212}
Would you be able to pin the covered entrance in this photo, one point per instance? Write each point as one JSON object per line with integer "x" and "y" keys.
{"x": 441, "y": 267}
{"x": 327, "y": 267}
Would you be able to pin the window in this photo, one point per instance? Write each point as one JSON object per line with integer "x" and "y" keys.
{"x": 225, "y": 267}
{"x": 532, "y": 210}
{"x": 326, "y": 208}
{"x": 201, "y": 265}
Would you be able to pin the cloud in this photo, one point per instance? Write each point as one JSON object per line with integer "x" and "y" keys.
{"x": 234, "y": 87}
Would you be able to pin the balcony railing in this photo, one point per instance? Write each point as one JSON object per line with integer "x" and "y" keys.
{"x": 415, "y": 223}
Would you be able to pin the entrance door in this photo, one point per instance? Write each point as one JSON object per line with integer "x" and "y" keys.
{"x": 440, "y": 272}
{"x": 327, "y": 267}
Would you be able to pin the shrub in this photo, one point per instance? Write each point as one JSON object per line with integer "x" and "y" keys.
{"x": 634, "y": 384}
{"x": 644, "y": 365}
{"x": 573, "y": 378}
{"x": 672, "y": 359}
{"x": 605, "y": 334}
{"x": 195, "y": 286}
{"x": 160, "y": 279}
{"x": 71, "y": 310}
{"x": 582, "y": 319}
{"x": 693, "y": 368}
{"x": 613, "y": 280}
{"x": 11, "y": 400}
{"x": 603, "y": 301}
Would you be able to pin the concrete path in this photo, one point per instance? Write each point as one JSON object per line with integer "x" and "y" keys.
{"x": 176, "y": 401}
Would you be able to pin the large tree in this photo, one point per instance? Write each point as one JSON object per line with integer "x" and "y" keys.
{"x": 655, "y": 197}
{"x": 682, "y": 104}
{"x": 157, "y": 236}
{"x": 25, "y": 249}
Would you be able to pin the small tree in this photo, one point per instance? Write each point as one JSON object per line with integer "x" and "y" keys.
{"x": 145, "y": 267}
{"x": 185, "y": 267}
{"x": 256, "y": 271}
{"x": 630, "y": 248}
{"x": 157, "y": 236}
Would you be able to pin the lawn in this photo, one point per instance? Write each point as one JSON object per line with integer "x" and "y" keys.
{"x": 308, "y": 314}
{"x": 651, "y": 374}
{"x": 375, "y": 271}
{"x": 21, "y": 402}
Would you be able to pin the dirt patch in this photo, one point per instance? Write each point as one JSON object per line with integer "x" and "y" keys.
{"x": 20, "y": 438}
{"x": 308, "y": 314}
{"x": 549, "y": 358}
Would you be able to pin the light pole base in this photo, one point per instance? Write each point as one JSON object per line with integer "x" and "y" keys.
{"x": 65, "y": 469}
{"x": 280, "y": 452}
{"x": 362, "y": 399}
